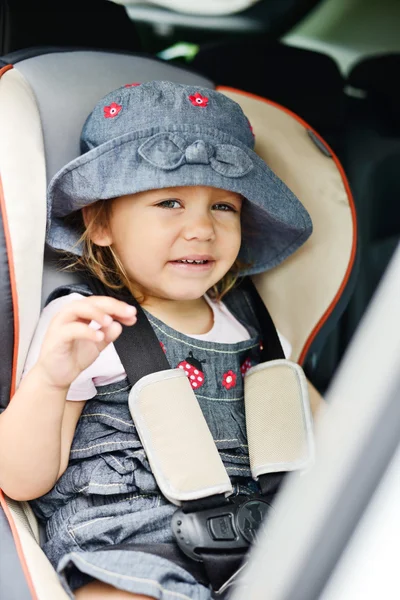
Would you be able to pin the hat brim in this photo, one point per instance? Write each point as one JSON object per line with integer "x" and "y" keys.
{"x": 276, "y": 223}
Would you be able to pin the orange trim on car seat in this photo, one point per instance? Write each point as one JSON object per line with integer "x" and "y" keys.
{"x": 18, "y": 546}
{"x": 346, "y": 277}
{"x": 5, "y": 69}
{"x": 3, "y": 503}
{"x": 13, "y": 285}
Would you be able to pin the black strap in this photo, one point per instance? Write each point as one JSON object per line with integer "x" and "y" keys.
{"x": 138, "y": 348}
{"x": 189, "y": 506}
{"x": 220, "y": 567}
{"x": 217, "y": 568}
{"x": 270, "y": 483}
{"x": 271, "y": 344}
{"x": 271, "y": 349}
{"x": 171, "y": 552}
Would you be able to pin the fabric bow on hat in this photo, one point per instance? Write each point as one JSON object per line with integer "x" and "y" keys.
{"x": 169, "y": 151}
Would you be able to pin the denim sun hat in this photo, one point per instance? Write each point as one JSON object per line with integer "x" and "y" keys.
{"x": 161, "y": 134}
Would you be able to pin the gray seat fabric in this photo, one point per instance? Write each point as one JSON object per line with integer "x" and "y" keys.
{"x": 74, "y": 80}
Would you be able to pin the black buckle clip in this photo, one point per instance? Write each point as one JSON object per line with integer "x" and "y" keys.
{"x": 231, "y": 526}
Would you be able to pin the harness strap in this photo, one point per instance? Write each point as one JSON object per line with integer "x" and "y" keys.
{"x": 141, "y": 354}
{"x": 271, "y": 344}
{"x": 271, "y": 348}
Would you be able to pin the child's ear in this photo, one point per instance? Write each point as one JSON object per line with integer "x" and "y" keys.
{"x": 99, "y": 232}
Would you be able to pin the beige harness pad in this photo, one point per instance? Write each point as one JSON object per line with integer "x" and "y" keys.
{"x": 176, "y": 437}
{"x": 278, "y": 417}
{"x": 180, "y": 447}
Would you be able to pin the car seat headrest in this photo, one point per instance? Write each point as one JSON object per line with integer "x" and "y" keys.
{"x": 67, "y": 85}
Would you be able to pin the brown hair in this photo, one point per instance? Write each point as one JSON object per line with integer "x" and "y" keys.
{"x": 104, "y": 264}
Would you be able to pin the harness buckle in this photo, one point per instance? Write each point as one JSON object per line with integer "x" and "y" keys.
{"x": 231, "y": 526}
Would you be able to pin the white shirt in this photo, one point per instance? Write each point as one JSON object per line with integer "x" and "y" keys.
{"x": 107, "y": 368}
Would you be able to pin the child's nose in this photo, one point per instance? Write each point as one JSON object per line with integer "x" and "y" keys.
{"x": 200, "y": 226}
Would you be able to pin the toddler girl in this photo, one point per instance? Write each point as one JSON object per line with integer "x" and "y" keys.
{"x": 169, "y": 202}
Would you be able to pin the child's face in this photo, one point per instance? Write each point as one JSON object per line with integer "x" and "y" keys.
{"x": 154, "y": 233}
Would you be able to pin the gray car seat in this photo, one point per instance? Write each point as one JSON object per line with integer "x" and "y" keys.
{"x": 44, "y": 100}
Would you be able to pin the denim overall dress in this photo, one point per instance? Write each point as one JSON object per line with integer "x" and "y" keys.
{"x": 108, "y": 496}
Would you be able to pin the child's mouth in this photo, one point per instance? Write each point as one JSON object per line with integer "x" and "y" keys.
{"x": 193, "y": 264}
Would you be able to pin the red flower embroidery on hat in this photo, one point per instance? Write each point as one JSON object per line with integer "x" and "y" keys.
{"x": 198, "y": 100}
{"x": 229, "y": 380}
{"x": 251, "y": 128}
{"x": 112, "y": 110}
{"x": 131, "y": 84}
{"x": 245, "y": 366}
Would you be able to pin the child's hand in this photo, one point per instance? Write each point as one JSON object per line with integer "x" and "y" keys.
{"x": 72, "y": 342}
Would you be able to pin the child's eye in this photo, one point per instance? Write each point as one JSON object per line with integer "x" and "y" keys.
{"x": 171, "y": 203}
{"x": 224, "y": 207}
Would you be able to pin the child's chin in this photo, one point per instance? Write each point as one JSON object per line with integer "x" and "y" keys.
{"x": 188, "y": 292}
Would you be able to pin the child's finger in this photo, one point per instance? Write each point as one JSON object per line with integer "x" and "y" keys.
{"x": 117, "y": 309}
{"x": 101, "y": 309}
{"x": 81, "y": 331}
{"x": 111, "y": 333}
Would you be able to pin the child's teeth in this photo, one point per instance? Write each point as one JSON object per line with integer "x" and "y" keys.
{"x": 197, "y": 262}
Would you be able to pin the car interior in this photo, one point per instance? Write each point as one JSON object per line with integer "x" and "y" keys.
{"x": 332, "y": 135}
